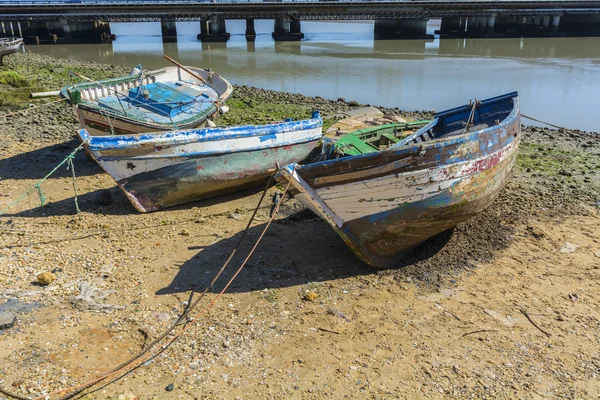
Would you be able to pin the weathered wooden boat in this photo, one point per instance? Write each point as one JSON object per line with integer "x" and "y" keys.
{"x": 383, "y": 203}
{"x": 166, "y": 99}
{"x": 161, "y": 170}
{"x": 9, "y": 46}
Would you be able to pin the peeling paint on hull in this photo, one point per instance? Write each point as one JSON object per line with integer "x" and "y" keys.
{"x": 162, "y": 170}
{"x": 386, "y": 203}
{"x": 198, "y": 179}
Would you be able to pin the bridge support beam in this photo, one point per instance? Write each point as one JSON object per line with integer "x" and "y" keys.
{"x": 404, "y": 28}
{"x": 287, "y": 29}
{"x": 169, "y": 31}
{"x": 213, "y": 29}
{"x": 250, "y": 32}
{"x": 65, "y": 31}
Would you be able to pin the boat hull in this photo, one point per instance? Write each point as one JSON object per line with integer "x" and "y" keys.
{"x": 98, "y": 125}
{"x": 10, "y": 46}
{"x": 384, "y": 204}
{"x": 384, "y": 236}
{"x": 157, "y": 171}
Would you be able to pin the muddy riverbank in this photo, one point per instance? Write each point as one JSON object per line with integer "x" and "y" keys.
{"x": 450, "y": 322}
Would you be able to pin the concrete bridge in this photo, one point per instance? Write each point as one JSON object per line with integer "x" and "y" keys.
{"x": 85, "y": 21}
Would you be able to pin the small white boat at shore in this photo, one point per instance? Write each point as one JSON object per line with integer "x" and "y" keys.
{"x": 170, "y": 98}
{"x": 9, "y": 46}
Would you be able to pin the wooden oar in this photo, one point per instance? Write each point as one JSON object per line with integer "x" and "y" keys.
{"x": 192, "y": 73}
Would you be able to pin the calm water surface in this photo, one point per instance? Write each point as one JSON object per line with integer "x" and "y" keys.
{"x": 558, "y": 78}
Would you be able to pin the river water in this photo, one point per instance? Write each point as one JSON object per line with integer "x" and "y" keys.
{"x": 558, "y": 78}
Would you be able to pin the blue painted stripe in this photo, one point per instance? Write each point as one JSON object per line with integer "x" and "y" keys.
{"x": 119, "y": 142}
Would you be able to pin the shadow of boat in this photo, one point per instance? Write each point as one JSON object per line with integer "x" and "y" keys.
{"x": 296, "y": 250}
{"x": 38, "y": 163}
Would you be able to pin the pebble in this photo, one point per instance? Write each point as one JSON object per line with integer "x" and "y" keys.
{"x": 46, "y": 278}
{"x": 568, "y": 247}
{"x": 236, "y": 216}
{"x": 310, "y": 296}
{"x": 184, "y": 232}
{"x": 7, "y": 320}
{"x": 163, "y": 317}
{"x": 169, "y": 387}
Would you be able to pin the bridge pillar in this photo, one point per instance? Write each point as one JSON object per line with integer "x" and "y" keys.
{"x": 250, "y": 32}
{"x": 404, "y": 28}
{"x": 555, "y": 23}
{"x": 213, "y": 29}
{"x": 169, "y": 31}
{"x": 452, "y": 27}
{"x": 287, "y": 29}
{"x": 491, "y": 24}
{"x": 546, "y": 23}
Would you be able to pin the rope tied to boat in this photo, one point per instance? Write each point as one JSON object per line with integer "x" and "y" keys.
{"x": 184, "y": 319}
{"x": 38, "y": 185}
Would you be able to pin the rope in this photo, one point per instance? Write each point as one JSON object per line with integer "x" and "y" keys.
{"x": 75, "y": 390}
{"x": 471, "y": 116}
{"x": 543, "y": 122}
{"x": 71, "y": 166}
{"x": 38, "y": 186}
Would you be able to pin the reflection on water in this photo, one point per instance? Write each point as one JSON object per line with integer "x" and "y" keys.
{"x": 556, "y": 77}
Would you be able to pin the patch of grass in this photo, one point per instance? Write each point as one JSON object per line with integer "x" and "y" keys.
{"x": 13, "y": 79}
{"x": 547, "y": 161}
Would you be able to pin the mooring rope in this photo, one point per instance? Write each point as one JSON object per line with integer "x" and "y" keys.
{"x": 543, "y": 122}
{"x": 184, "y": 318}
{"x": 38, "y": 185}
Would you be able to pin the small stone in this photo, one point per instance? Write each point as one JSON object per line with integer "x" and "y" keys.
{"x": 236, "y": 216}
{"x": 568, "y": 248}
{"x": 184, "y": 232}
{"x": 169, "y": 387}
{"x": 310, "y": 296}
{"x": 163, "y": 317}
{"x": 106, "y": 270}
{"x": 7, "y": 320}
{"x": 597, "y": 253}
{"x": 564, "y": 173}
{"x": 573, "y": 297}
{"x": 46, "y": 278}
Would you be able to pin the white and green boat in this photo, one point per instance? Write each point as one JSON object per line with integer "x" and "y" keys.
{"x": 166, "y": 99}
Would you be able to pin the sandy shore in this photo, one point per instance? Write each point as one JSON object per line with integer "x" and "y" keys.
{"x": 450, "y": 322}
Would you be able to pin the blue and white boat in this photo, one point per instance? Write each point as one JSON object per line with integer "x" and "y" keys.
{"x": 159, "y": 170}
{"x": 166, "y": 99}
{"x": 384, "y": 203}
